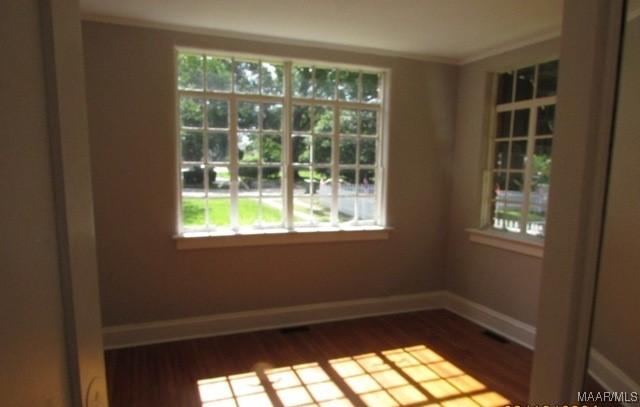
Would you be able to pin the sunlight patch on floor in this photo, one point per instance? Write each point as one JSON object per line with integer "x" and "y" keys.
{"x": 413, "y": 376}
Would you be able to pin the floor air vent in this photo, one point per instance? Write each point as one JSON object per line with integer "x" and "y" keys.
{"x": 495, "y": 336}
{"x": 295, "y": 329}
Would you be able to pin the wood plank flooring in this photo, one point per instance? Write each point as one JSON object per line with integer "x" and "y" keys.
{"x": 168, "y": 374}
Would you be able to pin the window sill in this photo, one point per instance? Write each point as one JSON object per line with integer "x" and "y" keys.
{"x": 188, "y": 241}
{"x": 527, "y": 246}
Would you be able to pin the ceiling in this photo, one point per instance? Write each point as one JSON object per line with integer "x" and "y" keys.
{"x": 455, "y": 31}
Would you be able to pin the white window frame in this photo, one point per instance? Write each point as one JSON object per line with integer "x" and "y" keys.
{"x": 518, "y": 241}
{"x": 357, "y": 230}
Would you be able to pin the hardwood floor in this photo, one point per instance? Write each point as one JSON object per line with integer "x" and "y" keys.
{"x": 168, "y": 374}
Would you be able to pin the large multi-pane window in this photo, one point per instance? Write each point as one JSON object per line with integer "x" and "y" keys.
{"x": 267, "y": 143}
{"x": 520, "y": 149}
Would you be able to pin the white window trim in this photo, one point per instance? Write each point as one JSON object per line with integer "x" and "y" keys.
{"x": 267, "y": 237}
{"x": 516, "y": 242}
{"x": 290, "y": 234}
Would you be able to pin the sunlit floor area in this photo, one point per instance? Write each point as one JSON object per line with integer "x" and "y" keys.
{"x": 428, "y": 358}
{"x": 413, "y": 376}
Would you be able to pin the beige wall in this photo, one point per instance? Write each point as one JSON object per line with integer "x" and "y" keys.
{"x": 617, "y": 320}
{"x": 32, "y": 342}
{"x": 143, "y": 277}
{"x": 504, "y": 281}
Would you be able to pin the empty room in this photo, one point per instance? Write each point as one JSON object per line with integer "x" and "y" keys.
{"x": 298, "y": 203}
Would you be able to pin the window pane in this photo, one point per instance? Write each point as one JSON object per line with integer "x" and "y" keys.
{"x": 501, "y": 154}
{"x": 542, "y": 159}
{"x": 218, "y": 146}
{"x": 218, "y": 114}
{"x": 191, "y": 112}
{"x": 366, "y": 208}
{"x": 515, "y": 187}
{"x": 521, "y": 123}
{"x": 219, "y": 181}
{"x": 346, "y": 208}
{"x": 348, "y": 121}
{"x": 499, "y": 185}
{"x": 219, "y": 74}
{"x": 367, "y": 182}
{"x": 271, "y": 211}
{"x": 272, "y": 79}
{"x": 193, "y": 212}
{"x": 368, "y": 122}
{"x": 248, "y": 150}
{"x": 546, "y": 120}
{"x": 322, "y": 119}
{"x": 370, "y": 87}
{"x": 547, "y": 79}
{"x": 347, "y": 182}
{"x": 191, "y": 143}
{"x": 367, "y": 151}
{"x": 321, "y": 206}
{"x": 321, "y": 150}
{"x": 271, "y": 183}
{"x": 247, "y": 76}
{"x": 538, "y": 202}
{"x": 503, "y": 126}
{"x": 193, "y": 179}
{"x": 302, "y": 211}
{"x": 518, "y": 154}
{"x": 220, "y": 212}
{"x": 301, "y": 146}
{"x": 193, "y": 196}
{"x": 272, "y": 116}
{"x": 301, "y": 118}
{"x": 248, "y": 113}
{"x": 505, "y": 88}
{"x": 271, "y": 148}
{"x": 302, "y": 181}
{"x": 512, "y": 215}
{"x": 348, "y": 85}
{"x": 325, "y": 83}
{"x": 248, "y": 181}
{"x": 322, "y": 181}
{"x": 302, "y": 83}
{"x": 248, "y": 211}
{"x": 524, "y": 83}
{"x": 348, "y": 150}
{"x": 190, "y": 72}
{"x": 507, "y": 216}
{"x": 323, "y": 178}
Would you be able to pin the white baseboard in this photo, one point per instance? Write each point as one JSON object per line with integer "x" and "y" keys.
{"x": 517, "y": 331}
{"x": 609, "y": 375}
{"x": 601, "y": 369}
{"x": 223, "y": 324}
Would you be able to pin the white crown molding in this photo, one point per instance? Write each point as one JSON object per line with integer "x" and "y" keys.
{"x": 632, "y": 15}
{"x": 263, "y": 38}
{"x": 511, "y": 46}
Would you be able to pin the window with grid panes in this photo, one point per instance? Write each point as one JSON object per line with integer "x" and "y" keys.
{"x": 267, "y": 143}
{"x": 520, "y": 149}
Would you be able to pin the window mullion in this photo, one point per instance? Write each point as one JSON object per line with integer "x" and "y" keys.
{"x": 335, "y": 164}
{"x": 205, "y": 162}
{"x": 287, "y": 145}
{"x": 233, "y": 159}
{"x": 528, "y": 168}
